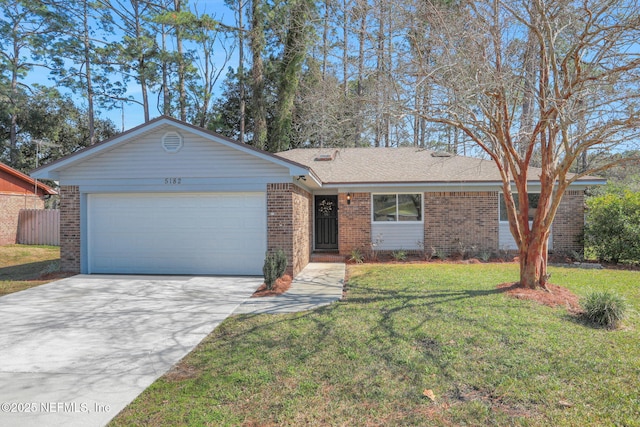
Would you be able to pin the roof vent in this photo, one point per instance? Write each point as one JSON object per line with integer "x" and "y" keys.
{"x": 172, "y": 142}
{"x": 441, "y": 154}
{"x": 326, "y": 157}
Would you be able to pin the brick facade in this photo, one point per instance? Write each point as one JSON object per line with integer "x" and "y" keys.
{"x": 289, "y": 224}
{"x": 451, "y": 219}
{"x": 302, "y": 228}
{"x": 454, "y": 219}
{"x": 569, "y": 223}
{"x": 70, "y": 229}
{"x": 10, "y": 206}
{"x": 354, "y": 222}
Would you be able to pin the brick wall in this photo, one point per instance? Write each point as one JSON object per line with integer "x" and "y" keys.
{"x": 10, "y": 206}
{"x": 289, "y": 224}
{"x": 302, "y": 228}
{"x": 452, "y": 219}
{"x": 569, "y": 222}
{"x": 354, "y": 222}
{"x": 70, "y": 229}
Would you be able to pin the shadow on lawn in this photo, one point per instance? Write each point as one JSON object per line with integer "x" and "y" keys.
{"x": 399, "y": 301}
{"x": 29, "y": 271}
{"x": 394, "y": 305}
{"x": 418, "y": 297}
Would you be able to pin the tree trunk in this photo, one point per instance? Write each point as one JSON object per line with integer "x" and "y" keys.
{"x": 13, "y": 129}
{"x": 88, "y": 76}
{"x": 380, "y": 77}
{"x": 166, "y": 92}
{"x": 533, "y": 262}
{"x": 257, "y": 43}
{"x": 241, "y": 68}
{"x": 362, "y": 33}
{"x": 145, "y": 96}
{"x": 182, "y": 93}
{"x": 142, "y": 63}
{"x": 345, "y": 49}
{"x": 293, "y": 56}
{"x": 325, "y": 41}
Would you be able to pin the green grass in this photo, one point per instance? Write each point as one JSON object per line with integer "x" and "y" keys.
{"x": 24, "y": 266}
{"x": 489, "y": 359}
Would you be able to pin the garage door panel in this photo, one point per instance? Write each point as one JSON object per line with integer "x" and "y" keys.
{"x": 207, "y": 233}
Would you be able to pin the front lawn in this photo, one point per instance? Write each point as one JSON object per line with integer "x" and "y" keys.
{"x": 25, "y": 266}
{"x": 371, "y": 359}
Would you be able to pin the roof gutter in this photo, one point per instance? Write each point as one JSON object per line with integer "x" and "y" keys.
{"x": 585, "y": 183}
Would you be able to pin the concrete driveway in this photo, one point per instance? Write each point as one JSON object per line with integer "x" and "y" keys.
{"x": 75, "y": 352}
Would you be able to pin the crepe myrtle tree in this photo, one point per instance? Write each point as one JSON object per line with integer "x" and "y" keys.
{"x": 538, "y": 83}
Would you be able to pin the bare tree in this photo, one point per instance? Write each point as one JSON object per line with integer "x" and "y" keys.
{"x": 539, "y": 82}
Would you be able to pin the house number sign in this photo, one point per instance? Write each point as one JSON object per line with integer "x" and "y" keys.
{"x": 172, "y": 181}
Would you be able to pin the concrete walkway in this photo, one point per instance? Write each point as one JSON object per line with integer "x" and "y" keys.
{"x": 75, "y": 352}
{"x": 316, "y": 285}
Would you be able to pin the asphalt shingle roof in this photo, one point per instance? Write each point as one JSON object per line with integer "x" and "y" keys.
{"x": 395, "y": 165}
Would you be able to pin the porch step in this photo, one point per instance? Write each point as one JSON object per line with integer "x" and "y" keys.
{"x": 327, "y": 257}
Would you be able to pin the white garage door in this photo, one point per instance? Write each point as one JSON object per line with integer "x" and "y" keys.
{"x": 199, "y": 233}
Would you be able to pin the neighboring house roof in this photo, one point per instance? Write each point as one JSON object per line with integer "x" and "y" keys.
{"x": 14, "y": 181}
{"x": 404, "y": 165}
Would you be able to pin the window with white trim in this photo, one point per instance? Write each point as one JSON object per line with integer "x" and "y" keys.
{"x": 397, "y": 207}
{"x": 533, "y": 205}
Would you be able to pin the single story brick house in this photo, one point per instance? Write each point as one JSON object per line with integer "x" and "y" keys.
{"x": 170, "y": 198}
{"x": 18, "y": 191}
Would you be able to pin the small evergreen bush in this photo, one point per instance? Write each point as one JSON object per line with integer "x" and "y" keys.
{"x": 275, "y": 265}
{"x": 270, "y": 270}
{"x": 281, "y": 262}
{"x": 604, "y": 309}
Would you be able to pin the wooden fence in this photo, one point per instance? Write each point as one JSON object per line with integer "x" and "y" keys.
{"x": 39, "y": 227}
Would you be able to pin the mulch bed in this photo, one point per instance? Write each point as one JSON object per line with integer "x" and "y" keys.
{"x": 554, "y": 296}
{"x": 281, "y": 286}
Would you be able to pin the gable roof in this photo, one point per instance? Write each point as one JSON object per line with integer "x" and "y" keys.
{"x": 402, "y": 165}
{"x": 329, "y": 166}
{"x": 19, "y": 180}
{"x": 50, "y": 170}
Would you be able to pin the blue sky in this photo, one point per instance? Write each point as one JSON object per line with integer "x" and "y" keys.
{"x": 131, "y": 115}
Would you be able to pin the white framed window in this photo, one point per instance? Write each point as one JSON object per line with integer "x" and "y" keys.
{"x": 505, "y": 238}
{"x": 533, "y": 206}
{"x": 396, "y": 207}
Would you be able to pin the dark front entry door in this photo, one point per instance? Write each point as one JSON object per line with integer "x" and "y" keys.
{"x": 326, "y": 222}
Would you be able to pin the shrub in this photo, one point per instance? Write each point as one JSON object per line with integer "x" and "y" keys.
{"x": 604, "y": 309}
{"x": 269, "y": 270}
{"x": 484, "y": 255}
{"x": 440, "y": 254}
{"x": 357, "y": 256}
{"x": 399, "y": 255}
{"x": 613, "y": 226}
{"x": 281, "y": 262}
{"x": 371, "y": 252}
